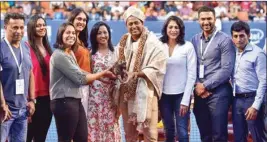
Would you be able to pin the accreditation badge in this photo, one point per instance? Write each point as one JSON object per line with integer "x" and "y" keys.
{"x": 201, "y": 71}
{"x": 19, "y": 86}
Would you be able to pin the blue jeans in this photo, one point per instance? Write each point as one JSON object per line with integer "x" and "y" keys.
{"x": 169, "y": 109}
{"x": 15, "y": 129}
{"x": 241, "y": 125}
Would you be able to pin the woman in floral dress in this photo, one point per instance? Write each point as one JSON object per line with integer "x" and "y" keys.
{"x": 102, "y": 121}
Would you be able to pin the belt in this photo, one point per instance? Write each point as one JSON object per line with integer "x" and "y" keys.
{"x": 68, "y": 99}
{"x": 245, "y": 95}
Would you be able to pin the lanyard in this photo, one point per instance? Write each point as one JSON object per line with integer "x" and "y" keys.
{"x": 12, "y": 51}
{"x": 201, "y": 48}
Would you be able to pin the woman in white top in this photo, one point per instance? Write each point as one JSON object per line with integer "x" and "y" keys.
{"x": 179, "y": 79}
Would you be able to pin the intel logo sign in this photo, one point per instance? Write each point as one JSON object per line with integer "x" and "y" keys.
{"x": 256, "y": 35}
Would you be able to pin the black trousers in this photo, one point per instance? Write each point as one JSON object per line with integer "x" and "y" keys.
{"x": 70, "y": 119}
{"x": 212, "y": 114}
{"x": 41, "y": 119}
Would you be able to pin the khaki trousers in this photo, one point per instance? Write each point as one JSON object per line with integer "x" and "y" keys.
{"x": 150, "y": 133}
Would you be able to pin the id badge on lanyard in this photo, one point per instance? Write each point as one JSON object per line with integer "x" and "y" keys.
{"x": 201, "y": 66}
{"x": 20, "y": 80}
{"x": 201, "y": 71}
{"x": 19, "y": 86}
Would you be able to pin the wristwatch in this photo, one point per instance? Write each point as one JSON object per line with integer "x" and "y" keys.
{"x": 32, "y": 100}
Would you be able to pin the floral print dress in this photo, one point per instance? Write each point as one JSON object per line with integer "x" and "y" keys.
{"x": 102, "y": 124}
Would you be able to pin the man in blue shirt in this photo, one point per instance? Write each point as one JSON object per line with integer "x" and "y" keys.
{"x": 16, "y": 78}
{"x": 249, "y": 86}
{"x": 213, "y": 91}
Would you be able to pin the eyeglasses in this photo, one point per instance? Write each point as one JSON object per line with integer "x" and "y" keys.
{"x": 81, "y": 19}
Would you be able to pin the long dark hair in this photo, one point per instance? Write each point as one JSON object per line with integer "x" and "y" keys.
{"x": 93, "y": 34}
{"x": 180, "y": 39}
{"x": 31, "y": 31}
{"x": 59, "y": 41}
{"x": 83, "y": 36}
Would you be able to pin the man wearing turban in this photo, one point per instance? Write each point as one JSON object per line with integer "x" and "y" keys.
{"x": 145, "y": 65}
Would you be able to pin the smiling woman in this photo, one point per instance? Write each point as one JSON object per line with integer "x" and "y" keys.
{"x": 66, "y": 79}
{"x": 40, "y": 54}
{"x": 69, "y": 37}
{"x": 101, "y": 110}
{"x": 66, "y": 38}
{"x": 79, "y": 19}
{"x": 181, "y": 65}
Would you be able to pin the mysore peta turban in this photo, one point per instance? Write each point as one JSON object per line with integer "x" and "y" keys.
{"x": 133, "y": 11}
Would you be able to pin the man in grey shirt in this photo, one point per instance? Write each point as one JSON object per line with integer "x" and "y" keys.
{"x": 213, "y": 91}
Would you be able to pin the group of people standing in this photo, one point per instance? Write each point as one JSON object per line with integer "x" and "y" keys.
{"x": 76, "y": 84}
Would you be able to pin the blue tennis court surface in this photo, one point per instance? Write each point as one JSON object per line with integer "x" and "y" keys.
{"x": 194, "y": 134}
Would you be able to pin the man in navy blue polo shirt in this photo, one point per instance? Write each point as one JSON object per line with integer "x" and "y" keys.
{"x": 16, "y": 78}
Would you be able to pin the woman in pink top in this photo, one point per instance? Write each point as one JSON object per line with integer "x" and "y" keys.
{"x": 40, "y": 54}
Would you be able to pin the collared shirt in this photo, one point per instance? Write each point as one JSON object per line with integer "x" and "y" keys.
{"x": 206, "y": 41}
{"x": 250, "y": 73}
{"x": 10, "y": 73}
{"x": 218, "y": 61}
{"x": 209, "y": 37}
{"x": 181, "y": 71}
{"x": 66, "y": 77}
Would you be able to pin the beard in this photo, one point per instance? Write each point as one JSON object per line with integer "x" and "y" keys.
{"x": 212, "y": 26}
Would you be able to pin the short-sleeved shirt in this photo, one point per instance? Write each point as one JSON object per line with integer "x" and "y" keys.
{"x": 10, "y": 73}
